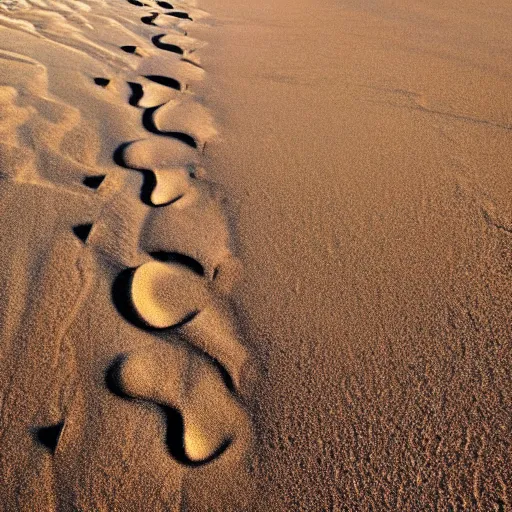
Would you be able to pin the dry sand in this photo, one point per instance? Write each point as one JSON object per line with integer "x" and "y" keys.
{"x": 255, "y": 255}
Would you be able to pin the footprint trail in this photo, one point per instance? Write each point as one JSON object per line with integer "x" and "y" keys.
{"x": 144, "y": 235}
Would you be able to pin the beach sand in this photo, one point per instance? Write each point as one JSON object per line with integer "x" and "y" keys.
{"x": 255, "y": 255}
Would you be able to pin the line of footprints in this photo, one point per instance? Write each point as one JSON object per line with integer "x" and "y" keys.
{"x": 178, "y": 287}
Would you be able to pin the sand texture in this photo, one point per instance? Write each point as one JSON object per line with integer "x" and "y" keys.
{"x": 255, "y": 256}
{"x": 121, "y": 363}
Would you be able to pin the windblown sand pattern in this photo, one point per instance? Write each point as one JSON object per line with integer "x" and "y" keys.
{"x": 122, "y": 367}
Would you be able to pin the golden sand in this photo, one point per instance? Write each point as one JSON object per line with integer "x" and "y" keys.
{"x": 255, "y": 256}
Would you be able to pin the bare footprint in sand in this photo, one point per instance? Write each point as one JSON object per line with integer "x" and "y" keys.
{"x": 165, "y": 81}
{"x": 152, "y": 92}
{"x": 169, "y": 170}
{"x": 193, "y": 224}
{"x": 171, "y": 186}
{"x": 150, "y": 20}
{"x": 148, "y": 121}
{"x": 173, "y": 296}
{"x": 179, "y": 45}
{"x": 173, "y": 48}
{"x": 203, "y": 417}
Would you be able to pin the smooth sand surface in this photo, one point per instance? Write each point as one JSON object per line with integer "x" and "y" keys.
{"x": 255, "y": 255}
{"x": 369, "y": 147}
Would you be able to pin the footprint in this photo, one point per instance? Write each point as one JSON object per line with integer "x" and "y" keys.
{"x": 203, "y": 417}
{"x": 174, "y": 181}
{"x": 179, "y": 259}
{"x": 173, "y": 185}
{"x": 156, "y": 152}
{"x": 136, "y": 2}
{"x": 194, "y": 224}
{"x": 165, "y": 296}
{"x": 187, "y": 116}
{"x": 150, "y": 93}
{"x": 165, "y": 5}
{"x": 165, "y": 81}
{"x": 184, "y": 42}
{"x": 168, "y": 296}
{"x": 149, "y": 20}
{"x": 160, "y": 64}
{"x": 149, "y": 124}
{"x": 157, "y": 41}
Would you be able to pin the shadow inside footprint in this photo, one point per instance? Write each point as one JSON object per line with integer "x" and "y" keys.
{"x": 136, "y": 95}
{"x": 121, "y": 298}
{"x": 180, "y": 15}
{"x": 136, "y": 2}
{"x": 175, "y": 426}
{"x": 149, "y": 125}
{"x": 49, "y": 436}
{"x": 179, "y": 259}
{"x": 156, "y": 40}
{"x": 149, "y": 178}
{"x": 165, "y": 81}
{"x": 175, "y": 440}
{"x": 129, "y": 49}
{"x": 165, "y": 5}
{"x": 102, "y": 82}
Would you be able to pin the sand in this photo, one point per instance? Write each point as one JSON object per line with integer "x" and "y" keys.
{"x": 255, "y": 255}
